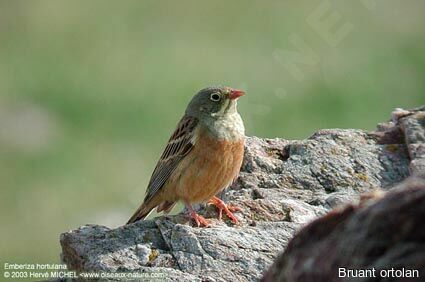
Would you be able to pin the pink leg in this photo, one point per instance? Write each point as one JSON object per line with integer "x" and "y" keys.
{"x": 221, "y": 206}
{"x": 200, "y": 220}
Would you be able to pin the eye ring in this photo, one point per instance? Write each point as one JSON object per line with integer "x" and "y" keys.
{"x": 215, "y": 97}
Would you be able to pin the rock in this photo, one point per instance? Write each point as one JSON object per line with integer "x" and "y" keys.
{"x": 283, "y": 185}
{"x": 380, "y": 234}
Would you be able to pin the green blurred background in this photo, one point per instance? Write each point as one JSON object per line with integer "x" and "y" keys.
{"x": 91, "y": 90}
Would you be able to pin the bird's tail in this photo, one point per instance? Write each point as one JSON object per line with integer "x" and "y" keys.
{"x": 142, "y": 212}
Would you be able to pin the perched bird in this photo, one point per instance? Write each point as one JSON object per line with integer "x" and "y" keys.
{"x": 202, "y": 157}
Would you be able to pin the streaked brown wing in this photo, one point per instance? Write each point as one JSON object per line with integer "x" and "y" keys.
{"x": 177, "y": 148}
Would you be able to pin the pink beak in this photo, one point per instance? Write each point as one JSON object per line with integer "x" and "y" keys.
{"x": 235, "y": 94}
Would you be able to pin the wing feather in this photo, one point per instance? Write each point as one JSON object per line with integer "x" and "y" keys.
{"x": 179, "y": 145}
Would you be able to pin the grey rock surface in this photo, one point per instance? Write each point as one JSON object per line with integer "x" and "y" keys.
{"x": 282, "y": 186}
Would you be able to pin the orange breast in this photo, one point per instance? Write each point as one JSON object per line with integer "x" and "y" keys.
{"x": 210, "y": 167}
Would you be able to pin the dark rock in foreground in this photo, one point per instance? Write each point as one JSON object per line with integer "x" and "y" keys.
{"x": 283, "y": 185}
{"x": 385, "y": 236}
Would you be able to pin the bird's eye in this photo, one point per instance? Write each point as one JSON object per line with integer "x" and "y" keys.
{"x": 215, "y": 97}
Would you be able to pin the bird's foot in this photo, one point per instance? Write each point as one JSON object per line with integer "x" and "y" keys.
{"x": 199, "y": 219}
{"x": 228, "y": 209}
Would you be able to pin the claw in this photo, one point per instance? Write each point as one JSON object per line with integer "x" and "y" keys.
{"x": 200, "y": 220}
{"x": 228, "y": 209}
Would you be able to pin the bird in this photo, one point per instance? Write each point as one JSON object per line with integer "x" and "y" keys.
{"x": 203, "y": 157}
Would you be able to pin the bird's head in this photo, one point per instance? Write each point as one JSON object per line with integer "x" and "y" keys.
{"x": 214, "y": 102}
